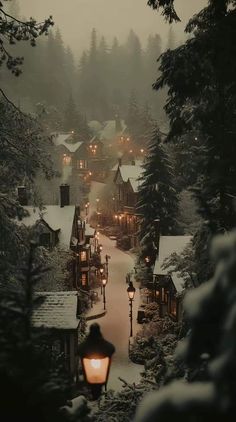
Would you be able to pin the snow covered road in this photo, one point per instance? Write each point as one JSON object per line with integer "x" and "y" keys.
{"x": 115, "y": 325}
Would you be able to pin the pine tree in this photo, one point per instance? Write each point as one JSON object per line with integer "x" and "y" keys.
{"x": 32, "y": 383}
{"x": 200, "y": 75}
{"x": 71, "y": 119}
{"x": 157, "y": 196}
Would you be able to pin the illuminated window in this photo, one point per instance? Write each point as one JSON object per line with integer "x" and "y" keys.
{"x": 81, "y": 164}
{"x": 83, "y": 256}
{"x": 66, "y": 160}
{"x": 84, "y": 280}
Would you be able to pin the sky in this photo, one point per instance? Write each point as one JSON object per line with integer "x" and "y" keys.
{"x": 76, "y": 18}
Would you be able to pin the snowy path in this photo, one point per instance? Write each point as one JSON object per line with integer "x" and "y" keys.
{"x": 115, "y": 324}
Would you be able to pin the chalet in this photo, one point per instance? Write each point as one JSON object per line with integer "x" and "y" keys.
{"x": 72, "y": 155}
{"x": 168, "y": 286}
{"x": 63, "y": 226}
{"x": 127, "y": 181}
{"x": 111, "y": 131}
{"x": 58, "y": 315}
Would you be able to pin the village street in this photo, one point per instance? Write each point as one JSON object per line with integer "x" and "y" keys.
{"x": 115, "y": 325}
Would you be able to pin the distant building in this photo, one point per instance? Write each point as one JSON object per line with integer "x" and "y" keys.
{"x": 127, "y": 182}
{"x": 58, "y": 314}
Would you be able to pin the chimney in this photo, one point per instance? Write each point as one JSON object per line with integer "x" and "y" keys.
{"x": 133, "y": 163}
{"x": 120, "y": 162}
{"x": 64, "y": 195}
{"x": 157, "y": 228}
{"x": 22, "y": 195}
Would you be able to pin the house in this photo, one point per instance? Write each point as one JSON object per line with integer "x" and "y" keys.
{"x": 64, "y": 227}
{"x": 72, "y": 155}
{"x": 168, "y": 286}
{"x": 127, "y": 182}
{"x": 111, "y": 131}
{"x": 58, "y": 314}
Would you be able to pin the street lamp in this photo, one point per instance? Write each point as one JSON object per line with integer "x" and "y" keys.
{"x": 101, "y": 271}
{"x": 95, "y": 353}
{"x": 131, "y": 292}
{"x": 104, "y": 283}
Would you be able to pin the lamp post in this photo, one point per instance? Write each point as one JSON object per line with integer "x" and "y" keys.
{"x": 101, "y": 271}
{"x": 131, "y": 292}
{"x": 95, "y": 353}
{"x": 104, "y": 283}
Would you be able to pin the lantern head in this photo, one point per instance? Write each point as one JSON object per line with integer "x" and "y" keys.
{"x": 95, "y": 354}
{"x": 131, "y": 291}
{"x": 104, "y": 281}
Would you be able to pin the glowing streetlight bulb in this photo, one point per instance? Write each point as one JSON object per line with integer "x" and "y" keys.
{"x": 96, "y": 363}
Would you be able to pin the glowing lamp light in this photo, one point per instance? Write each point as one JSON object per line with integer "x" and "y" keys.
{"x": 95, "y": 353}
{"x": 131, "y": 291}
{"x": 101, "y": 270}
{"x": 116, "y": 216}
{"x": 130, "y": 151}
{"x": 142, "y": 151}
{"x": 104, "y": 282}
{"x": 90, "y": 173}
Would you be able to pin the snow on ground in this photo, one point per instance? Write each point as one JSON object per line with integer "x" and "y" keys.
{"x": 115, "y": 325}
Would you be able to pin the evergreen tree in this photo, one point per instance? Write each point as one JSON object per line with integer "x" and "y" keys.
{"x": 200, "y": 75}
{"x": 157, "y": 196}
{"x": 33, "y": 386}
{"x": 71, "y": 120}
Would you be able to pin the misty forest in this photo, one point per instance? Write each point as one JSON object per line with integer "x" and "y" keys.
{"x": 117, "y": 210}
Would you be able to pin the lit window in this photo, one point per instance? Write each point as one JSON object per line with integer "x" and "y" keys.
{"x": 84, "y": 280}
{"x": 66, "y": 160}
{"x": 83, "y": 256}
{"x": 81, "y": 164}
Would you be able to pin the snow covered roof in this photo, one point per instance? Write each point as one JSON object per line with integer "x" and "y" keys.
{"x": 58, "y": 310}
{"x": 134, "y": 184}
{"x": 109, "y": 130}
{"x": 128, "y": 171}
{"x": 169, "y": 245}
{"x": 56, "y": 217}
{"x": 65, "y": 139}
{"x": 95, "y": 126}
{"x": 89, "y": 231}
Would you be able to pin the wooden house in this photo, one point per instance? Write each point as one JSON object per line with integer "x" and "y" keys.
{"x": 58, "y": 314}
{"x": 168, "y": 286}
{"x": 126, "y": 182}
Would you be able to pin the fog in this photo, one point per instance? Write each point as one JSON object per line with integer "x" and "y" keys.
{"x": 111, "y": 18}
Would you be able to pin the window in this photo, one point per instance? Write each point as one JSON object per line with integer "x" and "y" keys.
{"x": 84, "y": 280}
{"x": 81, "y": 164}
{"x": 44, "y": 240}
{"x": 66, "y": 160}
{"x": 83, "y": 256}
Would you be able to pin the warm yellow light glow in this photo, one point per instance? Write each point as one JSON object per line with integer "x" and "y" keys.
{"x": 141, "y": 150}
{"x": 96, "y": 363}
{"x": 72, "y": 131}
{"x": 130, "y": 150}
{"x": 96, "y": 370}
{"x": 90, "y": 173}
{"x": 90, "y": 146}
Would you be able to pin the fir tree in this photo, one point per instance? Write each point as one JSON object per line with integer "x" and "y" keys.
{"x": 157, "y": 196}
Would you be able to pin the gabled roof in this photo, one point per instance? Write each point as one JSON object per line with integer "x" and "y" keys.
{"x": 109, "y": 130}
{"x": 65, "y": 139}
{"x": 55, "y": 217}
{"x": 128, "y": 171}
{"x": 134, "y": 184}
{"x": 58, "y": 310}
{"x": 169, "y": 245}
